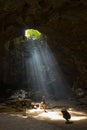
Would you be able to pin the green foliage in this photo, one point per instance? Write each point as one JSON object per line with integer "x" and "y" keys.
{"x": 32, "y": 34}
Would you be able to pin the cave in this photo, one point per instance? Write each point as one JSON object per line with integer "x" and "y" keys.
{"x": 57, "y": 50}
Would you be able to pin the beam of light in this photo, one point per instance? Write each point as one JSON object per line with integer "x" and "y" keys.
{"x": 43, "y": 71}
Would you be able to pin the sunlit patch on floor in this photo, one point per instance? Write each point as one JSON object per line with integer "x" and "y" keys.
{"x": 76, "y": 115}
{"x": 55, "y": 114}
{"x": 19, "y": 115}
{"x": 49, "y": 114}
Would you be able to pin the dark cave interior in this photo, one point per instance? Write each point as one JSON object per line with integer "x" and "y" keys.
{"x": 63, "y": 22}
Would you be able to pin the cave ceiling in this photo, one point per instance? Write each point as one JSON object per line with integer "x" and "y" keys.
{"x": 52, "y": 17}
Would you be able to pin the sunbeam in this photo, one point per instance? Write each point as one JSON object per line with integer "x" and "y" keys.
{"x": 43, "y": 71}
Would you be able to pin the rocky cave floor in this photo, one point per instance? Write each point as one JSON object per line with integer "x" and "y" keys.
{"x": 50, "y": 120}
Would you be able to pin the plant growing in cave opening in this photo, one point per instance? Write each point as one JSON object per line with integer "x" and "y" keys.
{"x": 32, "y": 34}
